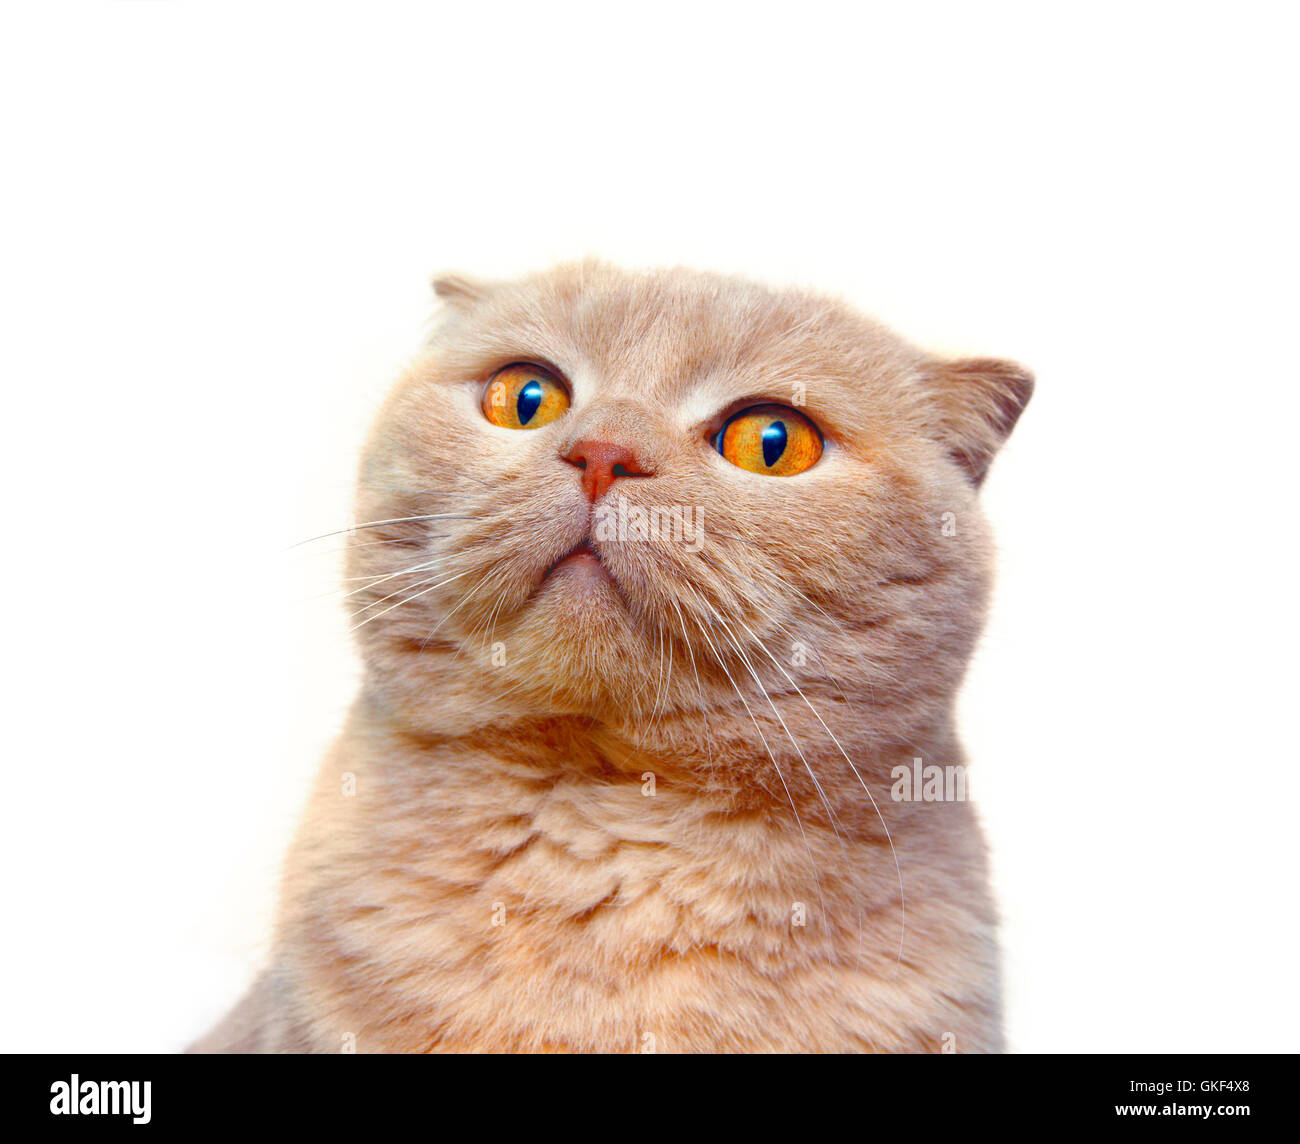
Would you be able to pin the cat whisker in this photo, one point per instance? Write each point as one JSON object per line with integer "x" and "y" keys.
{"x": 380, "y": 523}
{"x": 758, "y": 641}
{"x": 766, "y": 594}
{"x": 665, "y": 673}
{"x": 375, "y": 581}
{"x": 902, "y": 904}
{"x": 699, "y": 690}
{"x": 492, "y": 630}
{"x": 399, "y": 603}
{"x": 812, "y": 862}
{"x": 397, "y": 592}
{"x": 424, "y": 492}
{"x": 811, "y": 603}
{"x": 348, "y": 546}
{"x": 659, "y": 684}
{"x": 744, "y": 659}
{"x": 807, "y": 766}
{"x": 463, "y": 600}
{"x": 482, "y": 625}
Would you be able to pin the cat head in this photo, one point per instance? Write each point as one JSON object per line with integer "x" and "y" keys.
{"x": 630, "y": 496}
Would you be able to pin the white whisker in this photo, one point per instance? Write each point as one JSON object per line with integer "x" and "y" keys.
{"x": 770, "y": 753}
{"x": 379, "y": 523}
{"x": 408, "y": 600}
{"x": 902, "y": 906}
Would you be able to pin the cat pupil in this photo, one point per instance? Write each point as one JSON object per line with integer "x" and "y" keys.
{"x": 774, "y": 439}
{"x": 530, "y": 397}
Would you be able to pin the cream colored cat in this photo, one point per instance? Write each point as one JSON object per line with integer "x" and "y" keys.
{"x": 661, "y": 578}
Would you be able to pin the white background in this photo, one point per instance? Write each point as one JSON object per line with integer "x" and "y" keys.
{"x": 219, "y": 223}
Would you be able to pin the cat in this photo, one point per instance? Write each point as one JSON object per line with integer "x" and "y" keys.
{"x": 610, "y": 787}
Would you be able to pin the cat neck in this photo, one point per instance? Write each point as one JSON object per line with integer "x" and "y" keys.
{"x": 786, "y": 756}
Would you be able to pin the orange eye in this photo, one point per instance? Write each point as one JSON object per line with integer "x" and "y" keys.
{"x": 523, "y": 396}
{"x": 770, "y": 439}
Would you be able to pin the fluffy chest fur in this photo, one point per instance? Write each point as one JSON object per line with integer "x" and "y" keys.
{"x": 535, "y": 896}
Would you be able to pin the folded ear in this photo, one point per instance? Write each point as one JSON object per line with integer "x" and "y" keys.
{"x": 980, "y": 400}
{"x": 459, "y": 290}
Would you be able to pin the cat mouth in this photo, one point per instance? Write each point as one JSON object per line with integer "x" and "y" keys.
{"x": 581, "y": 558}
{"x": 581, "y": 575}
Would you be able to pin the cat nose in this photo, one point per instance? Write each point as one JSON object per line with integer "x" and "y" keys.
{"x": 602, "y": 463}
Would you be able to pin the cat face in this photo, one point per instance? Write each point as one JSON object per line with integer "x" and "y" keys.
{"x": 631, "y": 495}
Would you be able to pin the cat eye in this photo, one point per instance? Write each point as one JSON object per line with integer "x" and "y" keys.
{"x": 524, "y": 396}
{"x": 774, "y": 440}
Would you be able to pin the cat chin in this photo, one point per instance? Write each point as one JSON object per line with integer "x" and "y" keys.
{"x": 578, "y": 601}
{"x": 577, "y": 635}
{"x": 583, "y": 587}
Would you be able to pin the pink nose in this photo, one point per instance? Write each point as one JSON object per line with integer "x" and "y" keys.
{"x": 602, "y": 463}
